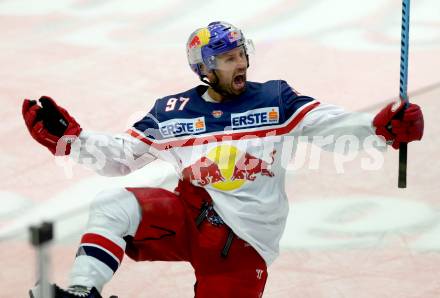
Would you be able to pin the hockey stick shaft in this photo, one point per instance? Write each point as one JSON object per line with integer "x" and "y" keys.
{"x": 41, "y": 236}
{"x": 403, "y": 151}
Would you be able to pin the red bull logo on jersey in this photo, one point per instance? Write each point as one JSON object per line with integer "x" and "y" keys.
{"x": 204, "y": 171}
{"x": 255, "y": 117}
{"x": 177, "y": 127}
{"x": 217, "y": 113}
{"x": 249, "y": 166}
{"x": 227, "y": 168}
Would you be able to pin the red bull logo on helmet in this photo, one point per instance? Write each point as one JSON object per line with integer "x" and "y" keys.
{"x": 195, "y": 42}
{"x": 200, "y": 38}
{"x": 227, "y": 168}
{"x": 234, "y": 36}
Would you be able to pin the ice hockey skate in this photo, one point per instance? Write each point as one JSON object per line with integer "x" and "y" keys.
{"x": 71, "y": 292}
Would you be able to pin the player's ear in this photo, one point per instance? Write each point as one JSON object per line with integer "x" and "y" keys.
{"x": 208, "y": 73}
{"x": 204, "y": 69}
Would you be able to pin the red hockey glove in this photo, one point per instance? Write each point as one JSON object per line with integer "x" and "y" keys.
{"x": 398, "y": 125}
{"x": 50, "y": 124}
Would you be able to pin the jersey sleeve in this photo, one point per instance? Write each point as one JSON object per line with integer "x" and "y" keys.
{"x": 148, "y": 126}
{"x": 327, "y": 124}
{"x": 324, "y": 124}
{"x": 292, "y": 102}
{"x": 117, "y": 154}
{"x": 111, "y": 154}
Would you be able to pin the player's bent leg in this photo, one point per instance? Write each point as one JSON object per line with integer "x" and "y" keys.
{"x": 114, "y": 214}
{"x": 164, "y": 233}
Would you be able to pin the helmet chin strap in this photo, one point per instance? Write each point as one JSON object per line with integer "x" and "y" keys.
{"x": 216, "y": 86}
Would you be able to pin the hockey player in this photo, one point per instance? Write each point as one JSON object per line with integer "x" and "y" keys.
{"x": 228, "y": 211}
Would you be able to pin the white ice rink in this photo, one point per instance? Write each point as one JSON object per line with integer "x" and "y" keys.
{"x": 350, "y": 233}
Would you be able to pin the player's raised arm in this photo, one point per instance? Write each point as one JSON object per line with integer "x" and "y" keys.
{"x": 327, "y": 123}
{"x": 107, "y": 154}
{"x": 111, "y": 154}
{"x": 321, "y": 123}
{"x": 392, "y": 123}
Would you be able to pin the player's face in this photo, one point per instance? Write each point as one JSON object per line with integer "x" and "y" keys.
{"x": 231, "y": 71}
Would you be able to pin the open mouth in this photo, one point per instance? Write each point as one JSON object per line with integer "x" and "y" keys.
{"x": 239, "y": 81}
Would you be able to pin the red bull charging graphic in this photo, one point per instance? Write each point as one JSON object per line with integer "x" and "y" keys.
{"x": 200, "y": 39}
{"x": 227, "y": 168}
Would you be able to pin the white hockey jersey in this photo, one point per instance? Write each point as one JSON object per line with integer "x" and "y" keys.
{"x": 237, "y": 150}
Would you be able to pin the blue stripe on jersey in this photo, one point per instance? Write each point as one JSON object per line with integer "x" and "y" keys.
{"x": 187, "y": 113}
{"x": 99, "y": 254}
